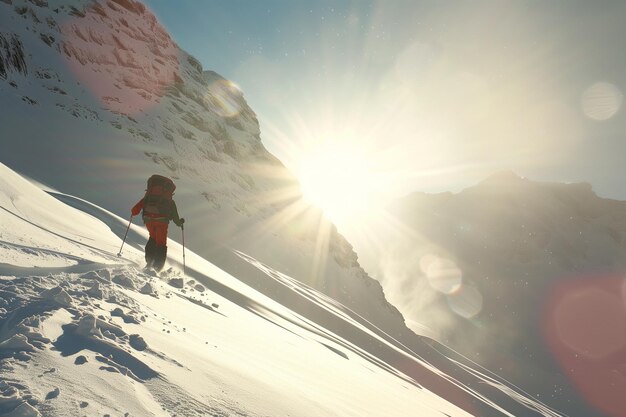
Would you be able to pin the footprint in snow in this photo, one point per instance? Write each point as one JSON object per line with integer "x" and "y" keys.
{"x": 53, "y": 394}
{"x": 80, "y": 360}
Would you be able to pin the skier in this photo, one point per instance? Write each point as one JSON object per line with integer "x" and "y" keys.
{"x": 158, "y": 209}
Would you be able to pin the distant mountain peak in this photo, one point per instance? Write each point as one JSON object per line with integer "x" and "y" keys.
{"x": 507, "y": 179}
{"x": 504, "y": 176}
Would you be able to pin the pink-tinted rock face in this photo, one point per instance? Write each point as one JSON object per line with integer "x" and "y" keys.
{"x": 121, "y": 53}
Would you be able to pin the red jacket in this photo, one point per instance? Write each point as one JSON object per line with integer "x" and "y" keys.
{"x": 171, "y": 214}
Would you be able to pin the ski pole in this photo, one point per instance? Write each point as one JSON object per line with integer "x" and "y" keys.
{"x": 125, "y": 234}
{"x": 182, "y": 228}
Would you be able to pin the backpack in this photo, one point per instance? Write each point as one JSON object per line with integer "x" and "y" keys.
{"x": 157, "y": 200}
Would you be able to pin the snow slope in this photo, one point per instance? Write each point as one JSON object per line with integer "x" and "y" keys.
{"x": 96, "y": 97}
{"x": 85, "y": 332}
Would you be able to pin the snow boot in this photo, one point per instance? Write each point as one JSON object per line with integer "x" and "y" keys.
{"x": 151, "y": 253}
{"x": 159, "y": 259}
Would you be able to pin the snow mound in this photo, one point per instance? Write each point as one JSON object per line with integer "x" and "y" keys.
{"x": 14, "y": 404}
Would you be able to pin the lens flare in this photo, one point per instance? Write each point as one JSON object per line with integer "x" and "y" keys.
{"x": 585, "y": 328}
{"x": 601, "y": 101}
{"x": 577, "y": 318}
{"x": 225, "y": 98}
{"x": 467, "y": 301}
{"x": 444, "y": 276}
{"x": 426, "y": 261}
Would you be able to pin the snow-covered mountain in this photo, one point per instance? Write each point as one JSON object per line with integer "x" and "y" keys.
{"x": 96, "y": 96}
{"x": 85, "y": 332}
{"x": 524, "y": 277}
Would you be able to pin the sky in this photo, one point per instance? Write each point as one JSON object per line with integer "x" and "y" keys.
{"x": 424, "y": 95}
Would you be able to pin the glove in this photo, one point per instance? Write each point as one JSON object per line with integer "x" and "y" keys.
{"x": 181, "y": 222}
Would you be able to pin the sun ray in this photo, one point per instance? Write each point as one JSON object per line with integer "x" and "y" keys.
{"x": 320, "y": 257}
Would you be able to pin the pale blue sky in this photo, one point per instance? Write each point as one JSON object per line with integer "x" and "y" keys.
{"x": 445, "y": 92}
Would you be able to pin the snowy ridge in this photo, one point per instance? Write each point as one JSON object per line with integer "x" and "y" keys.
{"x": 113, "y": 340}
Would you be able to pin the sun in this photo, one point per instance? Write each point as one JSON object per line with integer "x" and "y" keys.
{"x": 339, "y": 180}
